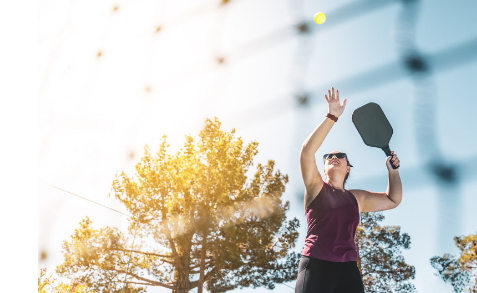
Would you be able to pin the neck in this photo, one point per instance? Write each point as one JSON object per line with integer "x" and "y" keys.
{"x": 336, "y": 183}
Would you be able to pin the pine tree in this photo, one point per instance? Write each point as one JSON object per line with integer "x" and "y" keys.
{"x": 460, "y": 272}
{"x": 380, "y": 262}
{"x": 208, "y": 223}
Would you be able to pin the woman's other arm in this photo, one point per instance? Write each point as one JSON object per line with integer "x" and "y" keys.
{"x": 369, "y": 201}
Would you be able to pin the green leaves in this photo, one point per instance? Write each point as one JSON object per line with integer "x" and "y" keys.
{"x": 460, "y": 272}
{"x": 379, "y": 255}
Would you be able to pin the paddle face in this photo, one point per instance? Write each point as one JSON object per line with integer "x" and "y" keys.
{"x": 373, "y": 126}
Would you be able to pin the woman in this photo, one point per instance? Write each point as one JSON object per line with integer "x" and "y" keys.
{"x": 329, "y": 258}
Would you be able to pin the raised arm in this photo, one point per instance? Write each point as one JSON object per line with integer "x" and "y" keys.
{"x": 309, "y": 171}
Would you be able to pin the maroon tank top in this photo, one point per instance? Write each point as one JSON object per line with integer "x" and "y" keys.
{"x": 332, "y": 217}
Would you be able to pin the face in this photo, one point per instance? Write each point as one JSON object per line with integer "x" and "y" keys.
{"x": 335, "y": 165}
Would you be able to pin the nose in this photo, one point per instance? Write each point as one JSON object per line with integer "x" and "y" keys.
{"x": 333, "y": 158}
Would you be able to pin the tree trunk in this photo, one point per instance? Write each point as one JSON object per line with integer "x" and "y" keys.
{"x": 202, "y": 262}
{"x": 181, "y": 278}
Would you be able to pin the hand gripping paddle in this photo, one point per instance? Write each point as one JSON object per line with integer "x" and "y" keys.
{"x": 374, "y": 127}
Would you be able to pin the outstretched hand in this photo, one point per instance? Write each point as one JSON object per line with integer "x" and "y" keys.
{"x": 334, "y": 105}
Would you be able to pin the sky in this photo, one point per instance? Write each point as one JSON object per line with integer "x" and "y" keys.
{"x": 96, "y": 113}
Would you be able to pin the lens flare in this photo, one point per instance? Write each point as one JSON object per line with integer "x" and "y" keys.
{"x": 236, "y": 213}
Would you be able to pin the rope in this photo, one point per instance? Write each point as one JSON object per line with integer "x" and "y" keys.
{"x": 85, "y": 198}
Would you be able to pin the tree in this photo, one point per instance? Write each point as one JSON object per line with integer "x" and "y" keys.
{"x": 47, "y": 285}
{"x": 460, "y": 272}
{"x": 380, "y": 262}
{"x": 204, "y": 217}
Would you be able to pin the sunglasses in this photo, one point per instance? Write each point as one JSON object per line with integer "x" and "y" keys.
{"x": 338, "y": 155}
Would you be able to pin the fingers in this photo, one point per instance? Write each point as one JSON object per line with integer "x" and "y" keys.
{"x": 332, "y": 95}
{"x": 389, "y": 162}
{"x": 394, "y": 159}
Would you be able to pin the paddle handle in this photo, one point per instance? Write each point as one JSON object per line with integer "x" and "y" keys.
{"x": 387, "y": 151}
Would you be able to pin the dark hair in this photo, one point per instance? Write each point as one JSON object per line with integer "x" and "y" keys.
{"x": 347, "y": 174}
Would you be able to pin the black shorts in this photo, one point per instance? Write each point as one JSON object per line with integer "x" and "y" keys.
{"x": 323, "y": 276}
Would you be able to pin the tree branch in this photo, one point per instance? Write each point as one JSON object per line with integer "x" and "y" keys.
{"x": 210, "y": 274}
{"x": 207, "y": 257}
{"x": 151, "y": 282}
{"x": 137, "y": 283}
{"x": 208, "y": 265}
{"x": 198, "y": 265}
{"x": 142, "y": 252}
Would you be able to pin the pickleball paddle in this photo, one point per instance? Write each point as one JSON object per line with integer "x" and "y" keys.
{"x": 374, "y": 127}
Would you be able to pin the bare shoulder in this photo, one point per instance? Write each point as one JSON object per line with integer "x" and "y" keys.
{"x": 357, "y": 192}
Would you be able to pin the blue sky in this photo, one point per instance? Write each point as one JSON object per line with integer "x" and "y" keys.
{"x": 92, "y": 113}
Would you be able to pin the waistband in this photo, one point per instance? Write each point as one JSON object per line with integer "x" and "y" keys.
{"x": 328, "y": 261}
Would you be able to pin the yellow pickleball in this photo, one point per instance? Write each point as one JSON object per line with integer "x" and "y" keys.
{"x": 320, "y": 17}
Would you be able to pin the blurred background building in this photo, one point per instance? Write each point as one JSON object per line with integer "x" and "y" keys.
{"x": 117, "y": 75}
